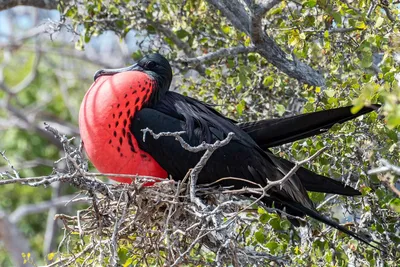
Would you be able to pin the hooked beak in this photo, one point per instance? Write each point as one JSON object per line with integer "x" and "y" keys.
{"x": 111, "y": 72}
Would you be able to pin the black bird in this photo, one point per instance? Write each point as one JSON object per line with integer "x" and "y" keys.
{"x": 246, "y": 156}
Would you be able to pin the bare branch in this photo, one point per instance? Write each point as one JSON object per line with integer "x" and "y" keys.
{"x": 293, "y": 170}
{"x": 25, "y": 210}
{"x": 118, "y": 223}
{"x": 15, "y": 172}
{"x": 224, "y": 52}
{"x": 235, "y": 12}
{"x": 386, "y": 179}
{"x": 388, "y": 13}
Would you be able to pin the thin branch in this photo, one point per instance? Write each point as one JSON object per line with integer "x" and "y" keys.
{"x": 358, "y": 11}
{"x": 25, "y": 210}
{"x": 200, "y": 165}
{"x": 221, "y": 53}
{"x": 389, "y": 14}
{"x": 387, "y": 181}
{"x": 118, "y": 222}
{"x": 342, "y": 30}
{"x": 296, "y": 166}
{"x": 271, "y": 184}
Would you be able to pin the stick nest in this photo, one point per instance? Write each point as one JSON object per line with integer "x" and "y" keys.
{"x": 159, "y": 225}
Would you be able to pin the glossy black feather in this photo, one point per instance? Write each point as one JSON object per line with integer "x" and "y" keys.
{"x": 275, "y": 132}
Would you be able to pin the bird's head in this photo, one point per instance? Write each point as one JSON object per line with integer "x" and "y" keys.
{"x": 155, "y": 65}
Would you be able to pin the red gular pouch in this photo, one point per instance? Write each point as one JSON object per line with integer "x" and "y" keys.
{"x": 105, "y": 118}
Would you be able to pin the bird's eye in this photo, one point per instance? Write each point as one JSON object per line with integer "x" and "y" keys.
{"x": 150, "y": 64}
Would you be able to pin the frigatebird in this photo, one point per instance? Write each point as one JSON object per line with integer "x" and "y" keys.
{"x": 122, "y": 102}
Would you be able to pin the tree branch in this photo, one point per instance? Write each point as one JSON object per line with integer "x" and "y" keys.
{"x": 386, "y": 167}
{"x": 224, "y": 52}
{"x": 265, "y": 45}
{"x": 25, "y": 210}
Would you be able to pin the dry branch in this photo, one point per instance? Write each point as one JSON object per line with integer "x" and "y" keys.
{"x": 388, "y": 181}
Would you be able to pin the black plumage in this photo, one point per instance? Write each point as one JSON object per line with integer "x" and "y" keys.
{"x": 246, "y": 156}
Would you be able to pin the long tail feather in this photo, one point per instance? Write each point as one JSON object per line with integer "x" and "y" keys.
{"x": 314, "y": 214}
{"x": 275, "y": 132}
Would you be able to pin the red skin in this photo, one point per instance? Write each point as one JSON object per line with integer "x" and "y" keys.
{"x": 104, "y": 125}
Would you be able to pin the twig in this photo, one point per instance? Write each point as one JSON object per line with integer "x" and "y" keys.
{"x": 210, "y": 148}
{"x": 24, "y": 210}
{"x": 118, "y": 223}
{"x": 386, "y": 167}
{"x": 297, "y": 166}
{"x": 16, "y": 174}
{"x": 221, "y": 53}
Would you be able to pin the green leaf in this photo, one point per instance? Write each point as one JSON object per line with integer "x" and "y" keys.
{"x": 226, "y": 29}
{"x": 264, "y": 218}
{"x": 329, "y": 92}
{"x": 181, "y": 34}
{"x": 242, "y": 76}
{"x": 268, "y": 81}
{"x": 395, "y": 204}
{"x": 240, "y": 107}
{"x": 50, "y": 256}
{"x": 260, "y": 210}
{"x": 275, "y": 223}
{"x": 337, "y": 17}
{"x": 272, "y": 246}
{"x": 393, "y": 135}
{"x": 365, "y": 190}
{"x": 366, "y": 59}
{"x": 360, "y": 25}
{"x": 280, "y": 109}
{"x": 137, "y": 55}
{"x": 294, "y": 38}
{"x": 310, "y": 3}
{"x": 260, "y": 237}
{"x": 113, "y": 9}
{"x": 252, "y": 57}
{"x": 128, "y": 262}
{"x": 123, "y": 254}
{"x": 379, "y": 22}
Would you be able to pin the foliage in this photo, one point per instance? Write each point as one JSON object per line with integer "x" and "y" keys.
{"x": 353, "y": 44}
